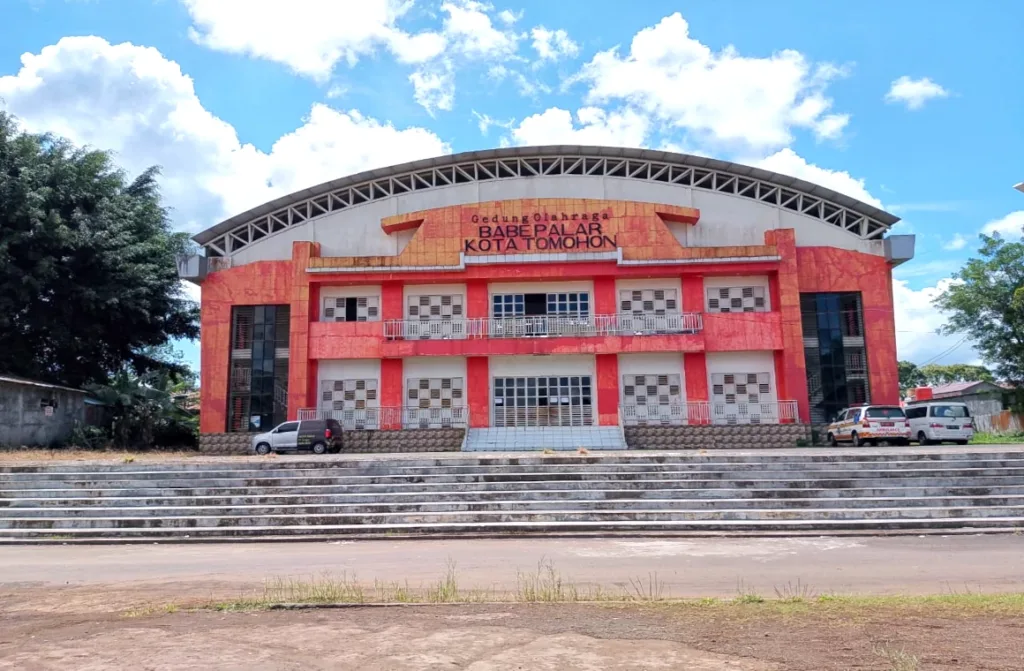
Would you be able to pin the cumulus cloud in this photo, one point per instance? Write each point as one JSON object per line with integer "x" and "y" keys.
{"x": 956, "y": 243}
{"x": 723, "y": 99}
{"x": 133, "y": 101}
{"x": 472, "y": 32}
{"x": 309, "y": 36}
{"x": 914, "y": 93}
{"x": 593, "y": 126}
{"x": 552, "y": 45}
{"x": 1011, "y": 226}
{"x": 917, "y": 321}
{"x": 434, "y": 87}
{"x": 788, "y": 162}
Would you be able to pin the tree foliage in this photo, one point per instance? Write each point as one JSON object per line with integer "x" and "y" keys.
{"x": 142, "y": 411}
{"x": 88, "y": 276}
{"x": 986, "y": 304}
{"x": 912, "y": 375}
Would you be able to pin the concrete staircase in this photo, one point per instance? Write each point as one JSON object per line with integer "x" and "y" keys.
{"x": 560, "y": 439}
{"x": 793, "y": 491}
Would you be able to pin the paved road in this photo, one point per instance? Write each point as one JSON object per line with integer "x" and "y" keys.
{"x": 697, "y": 567}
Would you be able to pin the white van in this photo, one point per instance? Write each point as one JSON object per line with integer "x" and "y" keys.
{"x": 932, "y": 422}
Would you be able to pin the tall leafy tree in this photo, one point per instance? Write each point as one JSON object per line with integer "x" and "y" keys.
{"x": 955, "y": 372}
{"x": 986, "y": 304}
{"x": 88, "y": 279}
{"x": 910, "y": 376}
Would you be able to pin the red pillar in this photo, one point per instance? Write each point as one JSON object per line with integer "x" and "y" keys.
{"x": 793, "y": 380}
{"x": 478, "y": 391}
{"x": 391, "y": 387}
{"x": 608, "y": 389}
{"x": 693, "y": 293}
{"x": 605, "y": 300}
{"x": 392, "y": 302}
{"x": 304, "y": 309}
{"x": 695, "y": 370}
{"x": 478, "y": 303}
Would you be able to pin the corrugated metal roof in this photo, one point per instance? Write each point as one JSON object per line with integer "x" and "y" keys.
{"x": 14, "y": 379}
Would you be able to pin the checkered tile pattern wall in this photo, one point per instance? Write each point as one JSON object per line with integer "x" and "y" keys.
{"x": 435, "y": 317}
{"x": 737, "y": 299}
{"x": 352, "y": 308}
{"x": 434, "y": 392}
{"x": 733, "y": 388}
{"x": 648, "y": 301}
{"x": 348, "y": 394}
{"x": 651, "y": 390}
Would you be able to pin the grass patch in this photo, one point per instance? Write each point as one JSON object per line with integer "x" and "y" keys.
{"x": 1012, "y": 438}
{"x": 897, "y": 658}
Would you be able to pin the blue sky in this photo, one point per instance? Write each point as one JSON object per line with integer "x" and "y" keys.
{"x": 914, "y": 106}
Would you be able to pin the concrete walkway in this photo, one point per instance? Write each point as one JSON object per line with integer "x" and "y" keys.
{"x": 697, "y": 567}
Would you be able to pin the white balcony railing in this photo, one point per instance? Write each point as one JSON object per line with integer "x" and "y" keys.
{"x": 392, "y": 417}
{"x": 705, "y": 412}
{"x": 543, "y": 326}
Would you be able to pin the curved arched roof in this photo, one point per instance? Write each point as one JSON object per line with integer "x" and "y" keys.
{"x": 686, "y": 170}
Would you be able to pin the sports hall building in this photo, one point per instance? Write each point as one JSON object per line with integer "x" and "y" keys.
{"x": 558, "y": 288}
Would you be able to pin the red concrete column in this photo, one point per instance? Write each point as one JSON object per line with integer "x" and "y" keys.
{"x": 605, "y": 300}
{"x": 695, "y": 370}
{"x": 392, "y": 302}
{"x": 391, "y": 393}
{"x": 608, "y": 389}
{"x": 301, "y": 375}
{"x": 793, "y": 379}
{"x": 880, "y": 339}
{"x": 215, "y": 345}
{"x": 478, "y": 391}
{"x": 478, "y": 302}
{"x": 693, "y": 293}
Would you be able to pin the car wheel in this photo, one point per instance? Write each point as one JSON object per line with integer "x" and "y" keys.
{"x": 922, "y": 439}
{"x": 319, "y": 448}
{"x": 832, "y": 440}
{"x": 263, "y": 448}
{"x": 962, "y": 442}
{"x": 855, "y": 439}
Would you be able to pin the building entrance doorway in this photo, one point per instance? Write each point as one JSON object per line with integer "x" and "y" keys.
{"x": 543, "y": 401}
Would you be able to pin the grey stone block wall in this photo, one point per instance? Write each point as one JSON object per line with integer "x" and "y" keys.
{"x": 406, "y": 440}
{"x": 745, "y": 437}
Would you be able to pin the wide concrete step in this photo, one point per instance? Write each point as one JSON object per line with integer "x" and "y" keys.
{"x": 808, "y": 456}
{"x": 511, "y": 475}
{"x": 300, "y": 532}
{"x": 980, "y": 485}
{"x": 1012, "y": 515}
{"x": 398, "y": 468}
{"x": 470, "y": 496}
{"x": 188, "y": 509}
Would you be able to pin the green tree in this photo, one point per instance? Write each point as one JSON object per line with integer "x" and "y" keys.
{"x": 910, "y": 376}
{"x": 88, "y": 276}
{"x": 142, "y": 410}
{"x": 934, "y": 373}
{"x": 986, "y": 304}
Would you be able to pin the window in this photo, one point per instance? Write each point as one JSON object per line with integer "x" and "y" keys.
{"x": 352, "y": 309}
{"x": 834, "y": 351}
{"x": 950, "y": 411}
{"x": 288, "y": 427}
{"x": 543, "y": 401}
{"x": 258, "y": 373}
{"x": 567, "y": 304}
{"x": 915, "y": 413}
{"x": 737, "y": 299}
{"x": 572, "y": 304}
{"x": 886, "y": 413}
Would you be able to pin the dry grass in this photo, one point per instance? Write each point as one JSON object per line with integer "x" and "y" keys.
{"x": 29, "y": 456}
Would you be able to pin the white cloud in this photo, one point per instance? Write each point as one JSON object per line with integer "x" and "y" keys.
{"x": 1011, "y": 226}
{"x": 470, "y": 29}
{"x": 914, "y": 93}
{"x": 434, "y": 87}
{"x": 527, "y": 87}
{"x": 788, "y": 162}
{"x": 625, "y": 128}
{"x": 916, "y": 323}
{"x": 957, "y": 242}
{"x": 133, "y": 101}
{"x": 309, "y": 36}
{"x": 484, "y": 122}
{"x": 509, "y": 17}
{"x": 722, "y": 99}
{"x": 552, "y": 45}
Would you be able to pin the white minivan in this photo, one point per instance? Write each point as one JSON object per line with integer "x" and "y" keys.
{"x": 932, "y": 422}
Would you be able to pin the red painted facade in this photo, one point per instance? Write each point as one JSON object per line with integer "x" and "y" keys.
{"x": 438, "y": 254}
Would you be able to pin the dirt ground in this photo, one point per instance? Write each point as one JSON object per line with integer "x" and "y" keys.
{"x": 87, "y": 627}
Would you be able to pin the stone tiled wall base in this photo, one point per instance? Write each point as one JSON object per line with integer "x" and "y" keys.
{"x": 748, "y": 437}
{"x": 406, "y": 440}
{"x": 224, "y": 443}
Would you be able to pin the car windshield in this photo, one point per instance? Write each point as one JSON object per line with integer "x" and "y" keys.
{"x": 950, "y": 411}
{"x": 886, "y": 413}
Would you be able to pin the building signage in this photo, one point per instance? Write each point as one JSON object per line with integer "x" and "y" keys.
{"x": 540, "y": 231}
